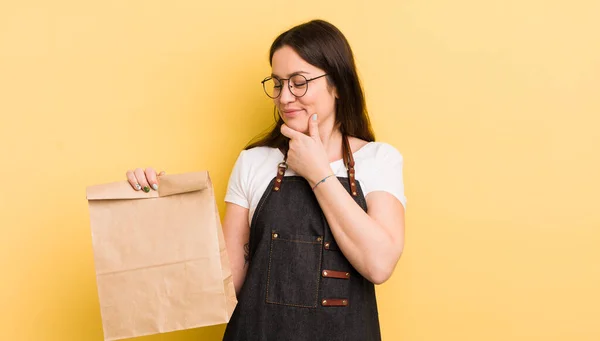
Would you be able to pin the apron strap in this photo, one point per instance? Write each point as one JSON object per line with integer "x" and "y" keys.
{"x": 281, "y": 168}
{"x": 349, "y": 162}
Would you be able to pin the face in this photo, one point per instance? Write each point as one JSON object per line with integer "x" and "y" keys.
{"x": 319, "y": 98}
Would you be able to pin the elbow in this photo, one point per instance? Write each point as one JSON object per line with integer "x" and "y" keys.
{"x": 379, "y": 277}
{"x": 380, "y": 271}
{"x": 379, "y": 274}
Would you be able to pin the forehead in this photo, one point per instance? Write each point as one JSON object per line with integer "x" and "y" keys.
{"x": 287, "y": 62}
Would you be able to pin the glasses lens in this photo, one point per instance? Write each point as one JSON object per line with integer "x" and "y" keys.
{"x": 298, "y": 85}
{"x": 272, "y": 87}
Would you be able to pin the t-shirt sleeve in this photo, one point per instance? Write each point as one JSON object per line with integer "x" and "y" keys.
{"x": 387, "y": 173}
{"x": 237, "y": 188}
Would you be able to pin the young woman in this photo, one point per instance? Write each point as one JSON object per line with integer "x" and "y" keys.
{"x": 315, "y": 209}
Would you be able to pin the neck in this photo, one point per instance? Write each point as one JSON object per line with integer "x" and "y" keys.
{"x": 331, "y": 137}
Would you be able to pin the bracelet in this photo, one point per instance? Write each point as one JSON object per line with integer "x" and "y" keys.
{"x": 325, "y": 178}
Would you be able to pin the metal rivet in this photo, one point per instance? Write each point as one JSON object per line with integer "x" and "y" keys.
{"x": 324, "y": 273}
{"x": 351, "y": 175}
{"x": 275, "y": 235}
{"x": 353, "y": 193}
{"x": 344, "y": 302}
{"x": 280, "y": 173}
{"x": 319, "y": 239}
{"x": 278, "y": 180}
{"x": 324, "y": 302}
{"x": 276, "y": 188}
{"x": 347, "y": 274}
{"x": 327, "y": 245}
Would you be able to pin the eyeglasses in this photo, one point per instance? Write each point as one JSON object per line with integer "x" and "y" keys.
{"x": 298, "y": 85}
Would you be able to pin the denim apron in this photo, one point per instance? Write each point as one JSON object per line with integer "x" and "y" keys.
{"x": 299, "y": 285}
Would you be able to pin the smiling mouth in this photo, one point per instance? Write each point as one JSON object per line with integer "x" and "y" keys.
{"x": 292, "y": 113}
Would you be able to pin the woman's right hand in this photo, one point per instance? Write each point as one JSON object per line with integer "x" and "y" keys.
{"x": 144, "y": 180}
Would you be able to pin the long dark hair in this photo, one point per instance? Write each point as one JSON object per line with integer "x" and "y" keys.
{"x": 323, "y": 45}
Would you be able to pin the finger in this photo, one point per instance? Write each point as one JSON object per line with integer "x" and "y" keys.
{"x": 132, "y": 180}
{"x": 141, "y": 179}
{"x": 289, "y": 132}
{"x": 162, "y": 173}
{"x": 313, "y": 127}
{"x": 152, "y": 180}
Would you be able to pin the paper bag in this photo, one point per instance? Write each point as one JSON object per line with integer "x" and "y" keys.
{"x": 160, "y": 257}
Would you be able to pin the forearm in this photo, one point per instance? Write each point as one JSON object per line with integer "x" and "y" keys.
{"x": 371, "y": 249}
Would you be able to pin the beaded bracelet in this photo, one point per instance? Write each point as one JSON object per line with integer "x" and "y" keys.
{"x": 325, "y": 178}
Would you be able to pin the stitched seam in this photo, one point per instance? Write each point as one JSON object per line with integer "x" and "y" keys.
{"x": 269, "y": 272}
{"x": 319, "y": 273}
{"x": 297, "y": 241}
{"x": 293, "y": 305}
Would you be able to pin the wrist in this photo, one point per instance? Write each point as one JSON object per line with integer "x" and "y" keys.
{"x": 320, "y": 177}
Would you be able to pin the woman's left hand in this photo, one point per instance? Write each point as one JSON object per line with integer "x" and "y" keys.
{"x": 306, "y": 155}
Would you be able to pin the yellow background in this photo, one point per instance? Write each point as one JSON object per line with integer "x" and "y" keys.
{"x": 494, "y": 106}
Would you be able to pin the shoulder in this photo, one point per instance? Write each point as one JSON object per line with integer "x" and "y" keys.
{"x": 258, "y": 155}
{"x": 380, "y": 152}
{"x": 386, "y": 152}
{"x": 253, "y": 165}
{"x": 255, "y": 161}
{"x": 380, "y": 168}
{"x": 257, "y": 151}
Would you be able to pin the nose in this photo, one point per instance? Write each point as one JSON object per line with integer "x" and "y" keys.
{"x": 286, "y": 95}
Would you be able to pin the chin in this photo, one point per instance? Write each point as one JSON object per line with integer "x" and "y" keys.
{"x": 298, "y": 124}
{"x": 298, "y": 127}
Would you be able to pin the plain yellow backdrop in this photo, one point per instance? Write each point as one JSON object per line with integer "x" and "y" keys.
{"x": 494, "y": 105}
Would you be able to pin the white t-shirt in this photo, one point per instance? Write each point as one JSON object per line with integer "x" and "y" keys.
{"x": 378, "y": 168}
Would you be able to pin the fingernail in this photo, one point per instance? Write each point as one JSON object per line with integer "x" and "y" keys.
{"x": 146, "y": 189}
{"x": 155, "y": 187}
{"x": 314, "y": 117}
{"x": 138, "y": 187}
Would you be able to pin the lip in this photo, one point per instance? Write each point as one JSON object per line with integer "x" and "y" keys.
{"x": 291, "y": 112}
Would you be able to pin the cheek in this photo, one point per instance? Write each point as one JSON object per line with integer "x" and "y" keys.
{"x": 314, "y": 99}
{"x": 323, "y": 102}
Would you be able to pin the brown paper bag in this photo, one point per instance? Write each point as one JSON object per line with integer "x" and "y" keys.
{"x": 160, "y": 257}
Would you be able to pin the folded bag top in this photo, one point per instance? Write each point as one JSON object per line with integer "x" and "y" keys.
{"x": 169, "y": 185}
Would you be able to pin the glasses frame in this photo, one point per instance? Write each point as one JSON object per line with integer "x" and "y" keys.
{"x": 289, "y": 84}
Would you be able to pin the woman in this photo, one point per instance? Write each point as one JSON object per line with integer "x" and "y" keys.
{"x": 315, "y": 209}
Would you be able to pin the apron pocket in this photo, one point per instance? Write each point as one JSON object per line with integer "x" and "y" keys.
{"x": 294, "y": 270}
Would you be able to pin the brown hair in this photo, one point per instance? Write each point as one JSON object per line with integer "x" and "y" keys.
{"x": 323, "y": 45}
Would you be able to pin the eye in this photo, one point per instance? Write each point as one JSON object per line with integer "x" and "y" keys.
{"x": 298, "y": 81}
{"x": 299, "y": 84}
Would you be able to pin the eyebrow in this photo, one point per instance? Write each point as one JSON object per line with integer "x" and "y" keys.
{"x": 290, "y": 75}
